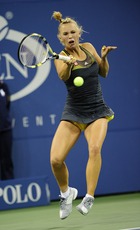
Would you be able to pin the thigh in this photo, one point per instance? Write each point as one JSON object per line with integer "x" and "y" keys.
{"x": 65, "y": 137}
{"x": 95, "y": 133}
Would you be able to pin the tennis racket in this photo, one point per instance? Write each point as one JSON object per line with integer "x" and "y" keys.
{"x": 34, "y": 50}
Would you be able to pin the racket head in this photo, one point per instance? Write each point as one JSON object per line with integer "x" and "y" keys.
{"x": 34, "y": 50}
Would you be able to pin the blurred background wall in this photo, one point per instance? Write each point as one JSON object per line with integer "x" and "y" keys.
{"x": 38, "y": 96}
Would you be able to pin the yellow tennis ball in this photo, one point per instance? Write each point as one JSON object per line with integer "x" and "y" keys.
{"x": 78, "y": 81}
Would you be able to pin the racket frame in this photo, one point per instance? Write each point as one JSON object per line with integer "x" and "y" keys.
{"x": 53, "y": 54}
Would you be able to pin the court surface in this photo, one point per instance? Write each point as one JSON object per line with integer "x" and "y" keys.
{"x": 117, "y": 212}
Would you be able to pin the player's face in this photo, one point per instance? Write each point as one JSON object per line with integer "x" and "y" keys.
{"x": 69, "y": 35}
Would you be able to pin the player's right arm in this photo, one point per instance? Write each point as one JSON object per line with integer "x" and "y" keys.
{"x": 63, "y": 69}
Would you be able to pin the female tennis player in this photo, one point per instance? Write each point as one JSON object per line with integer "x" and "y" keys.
{"x": 85, "y": 110}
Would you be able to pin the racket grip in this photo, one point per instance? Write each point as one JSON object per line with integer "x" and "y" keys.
{"x": 63, "y": 58}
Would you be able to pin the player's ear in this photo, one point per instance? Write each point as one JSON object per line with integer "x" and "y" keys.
{"x": 59, "y": 37}
{"x": 80, "y": 34}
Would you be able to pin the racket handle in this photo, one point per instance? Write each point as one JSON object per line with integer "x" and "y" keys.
{"x": 62, "y": 57}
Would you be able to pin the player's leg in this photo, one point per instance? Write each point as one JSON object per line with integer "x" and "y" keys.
{"x": 65, "y": 137}
{"x": 95, "y": 134}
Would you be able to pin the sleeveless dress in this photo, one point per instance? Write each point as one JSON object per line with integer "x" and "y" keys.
{"x": 85, "y": 104}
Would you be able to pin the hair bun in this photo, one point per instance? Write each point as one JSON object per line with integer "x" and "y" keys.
{"x": 57, "y": 15}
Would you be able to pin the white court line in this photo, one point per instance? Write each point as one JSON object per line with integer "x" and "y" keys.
{"x": 137, "y": 228}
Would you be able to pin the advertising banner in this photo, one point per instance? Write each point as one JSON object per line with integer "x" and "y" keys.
{"x": 22, "y": 193}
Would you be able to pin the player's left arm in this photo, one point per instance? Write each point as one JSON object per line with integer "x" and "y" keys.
{"x": 104, "y": 65}
{"x": 102, "y": 61}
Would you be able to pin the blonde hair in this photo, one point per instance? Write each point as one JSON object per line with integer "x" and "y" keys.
{"x": 58, "y": 16}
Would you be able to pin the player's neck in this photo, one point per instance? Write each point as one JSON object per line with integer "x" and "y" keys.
{"x": 77, "y": 53}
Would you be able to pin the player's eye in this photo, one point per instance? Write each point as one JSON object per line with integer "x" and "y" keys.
{"x": 65, "y": 33}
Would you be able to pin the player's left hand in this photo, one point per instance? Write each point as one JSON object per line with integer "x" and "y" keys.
{"x": 106, "y": 49}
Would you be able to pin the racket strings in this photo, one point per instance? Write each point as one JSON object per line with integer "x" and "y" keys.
{"x": 33, "y": 51}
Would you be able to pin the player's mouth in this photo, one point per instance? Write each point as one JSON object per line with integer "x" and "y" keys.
{"x": 71, "y": 42}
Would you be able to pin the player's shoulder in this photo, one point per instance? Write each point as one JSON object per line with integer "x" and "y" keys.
{"x": 87, "y": 45}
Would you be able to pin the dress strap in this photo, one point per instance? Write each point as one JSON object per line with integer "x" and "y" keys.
{"x": 66, "y": 52}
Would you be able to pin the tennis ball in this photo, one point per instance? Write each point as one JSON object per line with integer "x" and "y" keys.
{"x": 78, "y": 81}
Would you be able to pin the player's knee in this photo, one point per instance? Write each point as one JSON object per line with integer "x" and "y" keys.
{"x": 55, "y": 162}
{"x": 94, "y": 150}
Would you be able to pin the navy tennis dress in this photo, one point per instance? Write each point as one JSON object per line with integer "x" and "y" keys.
{"x": 85, "y": 104}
